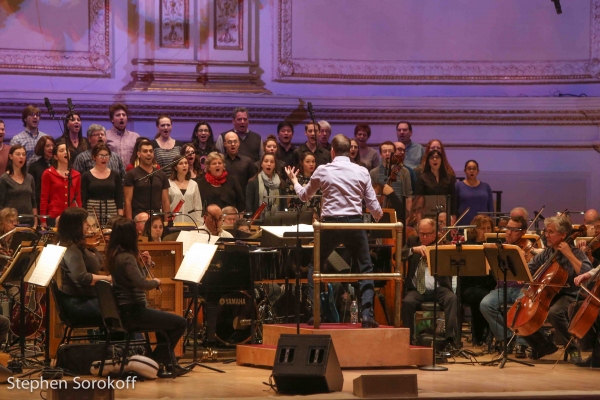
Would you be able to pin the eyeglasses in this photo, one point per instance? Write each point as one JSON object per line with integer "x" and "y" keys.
{"x": 400, "y": 150}
{"x": 232, "y": 142}
{"x": 98, "y": 134}
{"x": 103, "y": 156}
{"x": 426, "y": 233}
{"x": 35, "y": 115}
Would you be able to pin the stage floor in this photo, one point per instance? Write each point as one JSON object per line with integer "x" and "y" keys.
{"x": 461, "y": 381}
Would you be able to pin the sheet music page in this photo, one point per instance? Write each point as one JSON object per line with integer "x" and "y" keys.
{"x": 196, "y": 262}
{"x": 280, "y": 230}
{"x": 44, "y": 268}
{"x": 188, "y": 238}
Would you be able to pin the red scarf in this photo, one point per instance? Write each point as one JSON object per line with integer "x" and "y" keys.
{"x": 216, "y": 181}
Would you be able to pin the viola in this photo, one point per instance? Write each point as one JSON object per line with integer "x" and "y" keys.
{"x": 527, "y": 246}
{"x": 527, "y": 315}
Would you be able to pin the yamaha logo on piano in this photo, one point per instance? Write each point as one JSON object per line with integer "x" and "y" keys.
{"x": 233, "y": 301}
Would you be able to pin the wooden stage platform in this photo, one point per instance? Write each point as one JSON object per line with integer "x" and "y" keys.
{"x": 355, "y": 347}
{"x": 461, "y": 381}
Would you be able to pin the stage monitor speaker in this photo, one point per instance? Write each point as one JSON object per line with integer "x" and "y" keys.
{"x": 386, "y": 386}
{"x": 307, "y": 364}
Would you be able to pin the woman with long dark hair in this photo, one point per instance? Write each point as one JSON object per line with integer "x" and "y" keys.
{"x": 130, "y": 284}
{"x": 17, "y": 188}
{"x": 203, "y": 141}
{"x": 306, "y": 167}
{"x": 80, "y": 267}
{"x": 55, "y": 182}
{"x": 154, "y": 228}
{"x": 43, "y": 149}
{"x": 435, "y": 180}
{"x": 73, "y": 135}
{"x": 196, "y": 169}
{"x": 182, "y": 188}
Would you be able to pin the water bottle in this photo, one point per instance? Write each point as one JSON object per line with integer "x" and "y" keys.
{"x": 354, "y": 312}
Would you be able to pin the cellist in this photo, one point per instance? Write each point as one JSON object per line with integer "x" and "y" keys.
{"x": 575, "y": 262}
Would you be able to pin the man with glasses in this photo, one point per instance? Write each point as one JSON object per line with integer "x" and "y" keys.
{"x": 213, "y": 221}
{"x": 419, "y": 282}
{"x": 28, "y": 138}
{"x": 414, "y": 151}
{"x": 238, "y": 166}
{"x": 84, "y": 162}
{"x": 250, "y": 143}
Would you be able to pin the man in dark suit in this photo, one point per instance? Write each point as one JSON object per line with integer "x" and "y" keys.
{"x": 250, "y": 143}
{"x": 419, "y": 282}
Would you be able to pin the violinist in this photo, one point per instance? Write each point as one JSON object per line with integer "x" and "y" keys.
{"x": 80, "y": 267}
{"x": 8, "y": 222}
{"x": 490, "y": 305}
{"x": 574, "y": 261}
{"x": 592, "y": 249}
{"x": 419, "y": 282}
{"x": 394, "y": 177}
{"x": 130, "y": 284}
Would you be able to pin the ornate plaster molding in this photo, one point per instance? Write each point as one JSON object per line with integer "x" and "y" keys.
{"x": 95, "y": 62}
{"x": 174, "y": 23}
{"x": 288, "y": 69}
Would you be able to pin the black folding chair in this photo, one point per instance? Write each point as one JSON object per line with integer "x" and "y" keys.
{"x": 111, "y": 316}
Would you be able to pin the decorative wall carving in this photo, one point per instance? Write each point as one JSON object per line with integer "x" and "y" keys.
{"x": 174, "y": 23}
{"x": 290, "y": 69}
{"x": 94, "y": 62}
{"x": 229, "y": 17}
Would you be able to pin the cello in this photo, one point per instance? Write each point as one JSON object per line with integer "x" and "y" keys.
{"x": 589, "y": 309}
{"x": 527, "y": 314}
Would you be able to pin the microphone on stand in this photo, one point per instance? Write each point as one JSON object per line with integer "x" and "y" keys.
{"x": 70, "y": 105}
{"x": 49, "y": 107}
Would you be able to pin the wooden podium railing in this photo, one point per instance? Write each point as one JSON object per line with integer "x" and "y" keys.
{"x": 318, "y": 277}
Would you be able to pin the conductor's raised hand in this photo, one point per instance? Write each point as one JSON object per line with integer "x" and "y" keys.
{"x": 292, "y": 174}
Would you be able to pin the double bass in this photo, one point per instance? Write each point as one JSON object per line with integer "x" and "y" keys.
{"x": 527, "y": 315}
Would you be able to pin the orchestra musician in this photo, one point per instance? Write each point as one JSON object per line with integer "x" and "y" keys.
{"x": 593, "y": 361}
{"x": 8, "y": 222}
{"x": 130, "y": 284}
{"x": 344, "y": 186}
{"x": 419, "y": 282}
{"x": 574, "y": 261}
{"x": 154, "y": 229}
{"x": 80, "y": 267}
{"x": 490, "y": 305}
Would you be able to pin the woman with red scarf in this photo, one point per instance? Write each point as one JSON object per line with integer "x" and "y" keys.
{"x": 215, "y": 188}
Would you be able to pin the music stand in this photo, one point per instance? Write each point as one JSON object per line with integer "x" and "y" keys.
{"x": 15, "y": 272}
{"x": 457, "y": 260}
{"x": 507, "y": 260}
{"x": 192, "y": 269}
{"x": 40, "y": 274}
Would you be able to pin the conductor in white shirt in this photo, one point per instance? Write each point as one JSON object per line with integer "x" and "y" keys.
{"x": 344, "y": 186}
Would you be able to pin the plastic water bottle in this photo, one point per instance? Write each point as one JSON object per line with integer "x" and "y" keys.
{"x": 354, "y": 312}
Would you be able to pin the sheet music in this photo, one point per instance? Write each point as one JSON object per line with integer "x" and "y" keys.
{"x": 280, "y": 230}
{"x": 44, "y": 268}
{"x": 196, "y": 262}
{"x": 188, "y": 238}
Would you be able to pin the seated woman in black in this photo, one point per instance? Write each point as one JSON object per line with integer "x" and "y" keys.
{"x": 79, "y": 267}
{"x": 130, "y": 284}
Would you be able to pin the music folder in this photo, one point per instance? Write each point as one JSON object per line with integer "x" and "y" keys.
{"x": 510, "y": 257}
{"x": 467, "y": 259}
{"x": 196, "y": 262}
{"x": 45, "y": 265}
{"x": 19, "y": 265}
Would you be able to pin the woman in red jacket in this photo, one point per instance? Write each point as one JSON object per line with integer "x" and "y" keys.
{"x": 55, "y": 182}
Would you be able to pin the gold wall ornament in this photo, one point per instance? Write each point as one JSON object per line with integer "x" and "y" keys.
{"x": 229, "y": 27}
{"x": 174, "y": 23}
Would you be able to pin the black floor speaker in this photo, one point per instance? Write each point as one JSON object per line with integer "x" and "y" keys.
{"x": 307, "y": 364}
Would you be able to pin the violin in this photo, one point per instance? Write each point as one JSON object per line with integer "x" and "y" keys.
{"x": 527, "y": 246}
{"x": 527, "y": 315}
{"x": 148, "y": 272}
